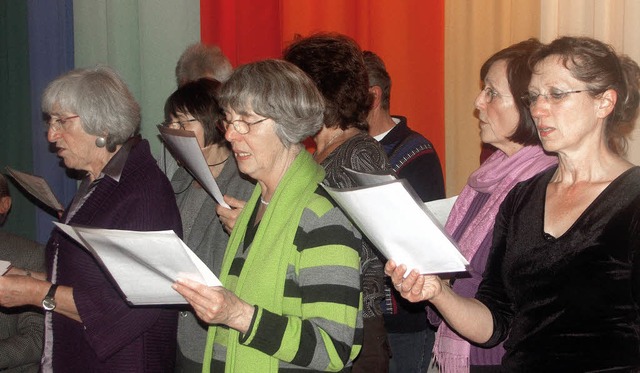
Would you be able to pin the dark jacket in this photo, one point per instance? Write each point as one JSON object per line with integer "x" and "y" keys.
{"x": 113, "y": 336}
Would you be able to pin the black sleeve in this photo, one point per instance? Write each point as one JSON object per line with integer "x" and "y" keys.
{"x": 492, "y": 292}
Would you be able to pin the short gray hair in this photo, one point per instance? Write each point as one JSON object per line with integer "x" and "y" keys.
{"x": 378, "y": 76}
{"x": 278, "y": 90}
{"x": 202, "y": 61}
{"x": 101, "y": 99}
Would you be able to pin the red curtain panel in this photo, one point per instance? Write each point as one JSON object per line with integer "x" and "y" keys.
{"x": 408, "y": 35}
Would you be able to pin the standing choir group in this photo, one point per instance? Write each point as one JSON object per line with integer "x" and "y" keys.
{"x": 550, "y": 222}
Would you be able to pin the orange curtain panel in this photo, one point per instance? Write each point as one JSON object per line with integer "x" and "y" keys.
{"x": 408, "y": 35}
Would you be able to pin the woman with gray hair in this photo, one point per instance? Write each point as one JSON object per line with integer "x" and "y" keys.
{"x": 291, "y": 295}
{"x": 93, "y": 121}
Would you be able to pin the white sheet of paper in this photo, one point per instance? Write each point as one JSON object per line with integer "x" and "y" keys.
{"x": 441, "y": 208}
{"x": 144, "y": 264}
{"x": 37, "y": 187}
{"x": 4, "y": 267}
{"x": 400, "y": 227}
{"x": 184, "y": 146}
{"x": 368, "y": 179}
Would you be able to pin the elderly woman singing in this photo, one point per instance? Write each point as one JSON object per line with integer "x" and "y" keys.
{"x": 93, "y": 121}
{"x": 291, "y": 297}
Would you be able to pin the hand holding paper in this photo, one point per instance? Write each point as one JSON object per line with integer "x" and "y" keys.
{"x": 144, "y": 264}
{"x": 400, "y": 226}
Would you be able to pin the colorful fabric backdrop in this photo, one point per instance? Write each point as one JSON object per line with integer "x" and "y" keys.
{"x": 142, "y": 39}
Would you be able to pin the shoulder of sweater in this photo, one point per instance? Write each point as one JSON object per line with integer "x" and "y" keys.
{"x": 364, "y": 144}
{"x": 140, "y": 161}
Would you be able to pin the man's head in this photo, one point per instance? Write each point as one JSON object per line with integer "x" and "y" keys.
{"x": 5, "y": 199}
{"x": 379, "y": 79}
{"x": 202, "y": 61}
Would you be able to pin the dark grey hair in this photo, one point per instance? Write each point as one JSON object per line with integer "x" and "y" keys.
{"x": 102, "y": 100}
{"x": 202, "y": 61}
{"x": 378, "y": 76}
{"x": 278, "y": 90}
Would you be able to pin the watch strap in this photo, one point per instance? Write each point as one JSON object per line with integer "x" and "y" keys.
{"x": 52, "y": 291}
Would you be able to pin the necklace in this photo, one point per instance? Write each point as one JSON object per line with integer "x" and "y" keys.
{"x": 316, "y": 154}
{"x": 219, "y": 163}
{"x": 266, "y": 203}
{"x": 332, "y": 139}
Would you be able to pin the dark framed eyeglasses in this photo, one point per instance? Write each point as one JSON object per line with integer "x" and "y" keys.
{"x": 554, "y": 97}
{"x": 241, "y": 126}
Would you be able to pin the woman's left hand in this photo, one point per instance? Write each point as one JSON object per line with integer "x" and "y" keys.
{"x": 216, "y": 305}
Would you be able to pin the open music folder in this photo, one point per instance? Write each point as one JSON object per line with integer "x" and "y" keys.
{"x": 397, "y": 222}
{"x": 143, "y": 264}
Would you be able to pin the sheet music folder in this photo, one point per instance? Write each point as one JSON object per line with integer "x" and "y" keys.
{"x": 397, "y": 222}
{"x": 143, "y": 264}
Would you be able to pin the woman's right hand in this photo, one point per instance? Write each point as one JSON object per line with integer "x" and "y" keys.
{"x": 414, "y": 287}
{"x": 227, "y": 216}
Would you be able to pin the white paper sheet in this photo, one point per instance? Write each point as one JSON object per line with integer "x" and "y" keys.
{"x": 37, "y": 187}
{"x": 4, "y": 267}
{"x": 144, "y": 264}
{"x": 400, "y": 226}
{"x": 441, "y": 208}
{"x": 184, "y": 146}
{"x": 369, "y": 179}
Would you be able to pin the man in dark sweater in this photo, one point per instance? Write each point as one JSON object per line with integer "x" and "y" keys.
{"x": 412, "y": 157}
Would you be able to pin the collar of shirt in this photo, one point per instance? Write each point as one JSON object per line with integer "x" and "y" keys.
{"x": 383, "y": 134}
{"x": 114, "y": 167}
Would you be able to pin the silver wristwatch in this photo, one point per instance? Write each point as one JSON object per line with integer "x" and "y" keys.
{"x": 49, "y": 302}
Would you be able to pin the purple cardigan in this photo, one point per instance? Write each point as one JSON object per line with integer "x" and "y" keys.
{"x": 113, "y": 336}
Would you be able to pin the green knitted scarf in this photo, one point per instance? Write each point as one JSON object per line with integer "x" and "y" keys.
{"x": 263, "y": 275}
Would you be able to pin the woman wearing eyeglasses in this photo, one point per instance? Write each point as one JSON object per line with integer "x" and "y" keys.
{"x": 561, "y": 283}
{"x": 194, "y": 107}
{"x": 505, "y": 124}
{"x": 93, "y": 123}
{"x": 291, "y": 297}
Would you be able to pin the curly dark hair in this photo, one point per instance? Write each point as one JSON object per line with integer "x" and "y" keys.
{"x": 334, "y": 62}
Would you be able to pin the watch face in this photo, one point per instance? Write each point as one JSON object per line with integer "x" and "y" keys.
{"x": 49, "y": 304}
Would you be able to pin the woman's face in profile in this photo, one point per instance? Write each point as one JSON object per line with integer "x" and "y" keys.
{"x": 76, "y": 147}
{"x": 497, "y": 110}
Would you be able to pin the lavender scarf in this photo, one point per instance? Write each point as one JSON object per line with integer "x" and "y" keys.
{"x": 496, "y": 176}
